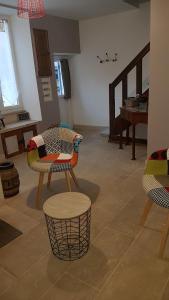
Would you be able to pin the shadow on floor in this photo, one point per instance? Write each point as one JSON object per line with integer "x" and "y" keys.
{"x": 166, "y": 292}
{"x": 59, "y": 186}
{"x": 89, "y": 266}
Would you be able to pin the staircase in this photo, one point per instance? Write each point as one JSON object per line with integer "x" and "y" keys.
{"x": 137, "y": 63}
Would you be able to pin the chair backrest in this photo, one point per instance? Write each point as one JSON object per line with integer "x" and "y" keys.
{"x": 158, "y": 163}
{"x": 53, "y": 140}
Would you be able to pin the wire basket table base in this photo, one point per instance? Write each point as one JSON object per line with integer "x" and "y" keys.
{"x": 69, "y": 238}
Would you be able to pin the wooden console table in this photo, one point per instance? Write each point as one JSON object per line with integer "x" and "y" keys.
{"x": 16, "y": 135}
{"x": 134, "y": 116}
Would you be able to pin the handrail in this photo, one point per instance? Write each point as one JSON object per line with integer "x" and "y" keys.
{"x": 131, "y": 65}
{"x": 123, "y": 77}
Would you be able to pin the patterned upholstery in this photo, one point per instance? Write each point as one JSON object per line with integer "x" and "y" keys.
{"x": 156, "y": 177}
{"x": 55, "y": 150}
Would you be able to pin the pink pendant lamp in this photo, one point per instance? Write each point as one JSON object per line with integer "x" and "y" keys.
{"x": 31, "y": 9}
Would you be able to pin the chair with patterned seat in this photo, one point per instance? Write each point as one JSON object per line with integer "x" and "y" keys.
{"x": 55, "y": 150}
{"x": 156, "y": 186}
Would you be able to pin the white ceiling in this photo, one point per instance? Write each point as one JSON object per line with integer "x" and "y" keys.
{"x": 83, "y": 9}
{"x": 77, "y": 9}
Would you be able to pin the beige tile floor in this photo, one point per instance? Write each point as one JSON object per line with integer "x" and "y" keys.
{"x": 122, "y": 262}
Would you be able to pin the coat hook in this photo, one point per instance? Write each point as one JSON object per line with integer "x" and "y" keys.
{"x": 100, "y": 60}
{"x": 115, "y": 57}
{"x": 108, "y": 59}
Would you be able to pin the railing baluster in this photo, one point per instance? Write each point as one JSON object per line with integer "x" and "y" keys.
{"x": 124, "y": 89}
{"x": 139, "y": 79}
{"x": 111, "y": 110}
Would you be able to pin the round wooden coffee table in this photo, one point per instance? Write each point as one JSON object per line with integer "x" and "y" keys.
{"x": 68, "y": 221}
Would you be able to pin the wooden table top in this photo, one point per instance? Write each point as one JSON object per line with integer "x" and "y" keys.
{"x": 134, "y": 115}
{"x": 66, "y": 205}
{"x": 18, "y": 125}
{"x": 134, "y": 110}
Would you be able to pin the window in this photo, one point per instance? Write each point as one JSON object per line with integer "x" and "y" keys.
{"x": 9, "y": 96}
{"x": 59, "y": 79}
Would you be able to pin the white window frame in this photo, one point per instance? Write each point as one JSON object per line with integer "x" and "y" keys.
{"x": 59, "y": 96}
{"x": 19, "y": 107}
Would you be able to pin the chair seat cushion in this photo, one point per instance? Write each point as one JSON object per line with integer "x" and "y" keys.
{"x": 157, "y": 167}
{"x": 157, "y": 189}
{"x": 57, "y": 158}
{"x": 56, "y": 162}
{"x": 46, "y": 166}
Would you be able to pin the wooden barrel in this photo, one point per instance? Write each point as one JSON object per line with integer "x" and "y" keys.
{"x": 9, "y": 179}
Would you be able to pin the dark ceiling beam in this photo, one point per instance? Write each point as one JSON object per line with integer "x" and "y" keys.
{"x": 135, "y": 3}
{"x": 8, "y": 6}
{"x": 132, "y": 2}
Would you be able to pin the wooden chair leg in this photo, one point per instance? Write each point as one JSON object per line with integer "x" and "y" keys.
{"x": 68, "y": 180}
{"x": 39, "y": 190}
{"x": 164, "y": 239}
{"x": 146, "y": 211}
{"x": 74, "y": 177}
{"x": 49, "y": 179}
{"x": 127, "y": 135}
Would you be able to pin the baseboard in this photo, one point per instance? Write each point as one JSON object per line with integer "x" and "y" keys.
{"x": 102, "y": 129}
{"x": 88, "y": 127}
{"x": 116, "y": 139}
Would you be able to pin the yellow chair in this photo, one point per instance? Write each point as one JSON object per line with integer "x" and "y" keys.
{"x": 156, "y": 185}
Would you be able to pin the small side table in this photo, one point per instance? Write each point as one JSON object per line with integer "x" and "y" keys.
{"x": 134, "y": 116}
{"x": 68, "y": 222}
{"x": 14, "y": 136}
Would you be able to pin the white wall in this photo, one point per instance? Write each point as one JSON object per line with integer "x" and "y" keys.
{"x": 158, "y": 131}
{"x": 63, "y": 35}
{"x": 25, "y": 66}
{"x": 125, "y": 33}
{"x": 65, "y": 109}
{"x": 25, "y": 70}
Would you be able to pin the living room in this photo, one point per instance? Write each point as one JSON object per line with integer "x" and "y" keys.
{"x": 55, "y": 137}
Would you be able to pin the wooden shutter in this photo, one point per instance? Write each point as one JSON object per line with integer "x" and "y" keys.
{"x": 42, "y": 52}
